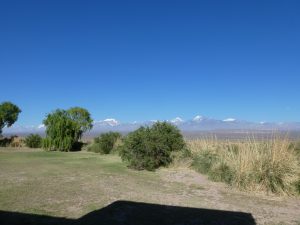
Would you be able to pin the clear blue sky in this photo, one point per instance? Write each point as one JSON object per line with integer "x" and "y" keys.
{"x": 141, "y": 60}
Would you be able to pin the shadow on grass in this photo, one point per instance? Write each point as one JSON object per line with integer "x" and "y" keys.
{"x": 134, "y": 213}
{"x": 77, "y": 146}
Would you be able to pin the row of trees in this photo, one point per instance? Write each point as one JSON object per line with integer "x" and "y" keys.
{"x": 64, "y": 128}
{"x": 146, "y": 148}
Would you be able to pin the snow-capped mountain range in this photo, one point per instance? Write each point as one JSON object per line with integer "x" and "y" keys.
{"x": 198, "y": 123}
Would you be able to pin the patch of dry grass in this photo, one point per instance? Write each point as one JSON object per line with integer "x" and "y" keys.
{"x": 269, "y": 165}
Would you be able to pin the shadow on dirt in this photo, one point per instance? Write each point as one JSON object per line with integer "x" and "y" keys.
{"x": 134, "y": 213}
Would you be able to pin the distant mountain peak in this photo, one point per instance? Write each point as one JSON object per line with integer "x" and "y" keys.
{"x": 198, "y": 123}
{"x": 198, "y": 118}
{"x": 177, "y": 120}
{"x": 41, "y": 126}
{"x": 229, "y": 120}
{"x": 109, "y": 121}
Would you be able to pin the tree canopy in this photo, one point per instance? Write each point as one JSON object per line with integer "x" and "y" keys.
{"x": 81, "y": 119}
{"x": 65, "y": 127}
{"x": 9, "y": 113}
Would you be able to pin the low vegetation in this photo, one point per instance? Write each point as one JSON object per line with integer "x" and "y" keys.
{"x": 13, "y": 141}
{"x": 151, "y": 147}
{"x": 270, "y": 166}
{"x": 5, "y": 142}
{"x": 105, "y": 143}
{"x": 33, "y": 141}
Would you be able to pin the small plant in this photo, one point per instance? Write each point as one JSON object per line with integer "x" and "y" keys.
{"x": 203, "y": 162}
{"x": 151, "y": 147}
{"x": 105, "y": 143}
{"x": 33, "y": 141}
{"x": 221, "y": 172}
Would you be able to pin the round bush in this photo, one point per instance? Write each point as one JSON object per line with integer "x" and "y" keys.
{"x": 151, "y": 147}
{"x": 33, "y": 141}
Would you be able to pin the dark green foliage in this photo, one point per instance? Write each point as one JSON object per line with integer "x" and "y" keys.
{"x": 5, "y": 142}
{"x": 204, "y": 161}
{"x": 208, "y": 163}
{"x": 8, "y": 114}
{"x": 82, "y": 121}
{"x": 60, "y": 131}
{"x": 65, "y": 127}
{"x": 105, "y": 143}
{"x": 271, "y": 174}
{"x": 33, "y": 141}
{"x": 151, "y": 147}
{"x": 221, "y": 172}
{"x": 297, "y": 185}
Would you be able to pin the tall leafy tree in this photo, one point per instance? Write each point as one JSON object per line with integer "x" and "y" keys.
{"x": 82, "y": 120}
{"x": 9, "y": 113}
{"x": 65, "y": 127}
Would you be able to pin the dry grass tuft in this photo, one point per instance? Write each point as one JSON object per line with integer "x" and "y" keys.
{"x": 270, "y": 166}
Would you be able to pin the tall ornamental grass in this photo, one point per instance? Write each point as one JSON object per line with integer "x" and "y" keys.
{"x": 270, "y": 165}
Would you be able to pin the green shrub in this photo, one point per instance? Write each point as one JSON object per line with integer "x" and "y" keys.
{"x": 207, "y": 162}
{"x": 204, "y": 161}
{"x": 221, "y": 172}
{"x": 105, "y": 143}
{"x": 151, "y": 147}
{"x": 33, "y": 141}
{"x": 5, "y": 142}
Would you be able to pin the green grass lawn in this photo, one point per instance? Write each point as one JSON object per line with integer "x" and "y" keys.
{"x": 66, "y": 184}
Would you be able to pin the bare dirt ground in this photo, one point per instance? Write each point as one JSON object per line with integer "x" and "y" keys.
{"x": 204, "y": 193}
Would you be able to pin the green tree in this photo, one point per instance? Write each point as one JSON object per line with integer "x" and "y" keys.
{"x": 81, "y": 119}
{"x": 8, "y": 114}
{"x": 64, "y": 128}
